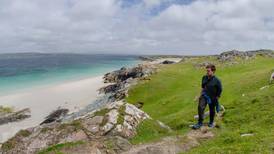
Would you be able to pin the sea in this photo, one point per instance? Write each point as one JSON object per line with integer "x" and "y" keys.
{"x": 20, "y": 71}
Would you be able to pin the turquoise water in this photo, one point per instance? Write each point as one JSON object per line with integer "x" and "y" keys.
{"x": 22, "y": 71}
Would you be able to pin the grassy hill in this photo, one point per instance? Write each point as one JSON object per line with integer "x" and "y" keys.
{"x": 170, "y": 97}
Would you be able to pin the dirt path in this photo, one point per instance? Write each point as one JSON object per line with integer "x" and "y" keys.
{"x": 173, "y": 145}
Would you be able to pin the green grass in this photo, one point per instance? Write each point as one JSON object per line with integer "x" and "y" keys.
{"x": 121, "y": 115}
{"x": 57, "y": 149}
{"x": 149, "y": 130}
{"x": 169, "y": 97}
{"x": 4, "y": 110}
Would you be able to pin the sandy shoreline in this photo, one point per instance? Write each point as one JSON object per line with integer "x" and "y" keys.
{"x": 73, "y": 95}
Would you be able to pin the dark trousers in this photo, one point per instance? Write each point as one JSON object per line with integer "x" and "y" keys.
{"x": 201, "y": 109}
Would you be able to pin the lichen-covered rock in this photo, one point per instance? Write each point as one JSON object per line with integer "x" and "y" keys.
{"x": 135, "y": 112}
{"x": 113, "y": 116}
{"x": 116, "y": 119}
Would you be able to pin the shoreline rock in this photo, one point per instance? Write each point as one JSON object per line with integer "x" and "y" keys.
{"x": 55, "y": 116}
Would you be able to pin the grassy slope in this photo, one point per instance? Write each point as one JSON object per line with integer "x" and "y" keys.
{"x": 169, "y": 97}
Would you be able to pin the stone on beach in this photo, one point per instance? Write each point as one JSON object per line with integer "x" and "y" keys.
{"x": 168, "y": 62}
{"x": 55, "y": 115}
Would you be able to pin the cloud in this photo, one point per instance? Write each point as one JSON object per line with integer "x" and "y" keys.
{"x": 136, "y": 26}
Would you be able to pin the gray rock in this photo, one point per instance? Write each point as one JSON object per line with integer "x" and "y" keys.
{"x": 107, "y": 128}
{"x": 112, "y": 116}
{"x": 231, "y": 55}
{"x": 55, "y": 115}
{"x": 92, "y": 124}
{"x": 135, "y": 112}
{"x": 168, "y": 62}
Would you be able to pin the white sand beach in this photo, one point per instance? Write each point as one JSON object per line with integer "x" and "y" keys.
{"x": 72, "y": 95}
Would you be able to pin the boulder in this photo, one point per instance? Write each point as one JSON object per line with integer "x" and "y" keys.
{"x": 168, "y": 62}
{"x": 55, "y": 115}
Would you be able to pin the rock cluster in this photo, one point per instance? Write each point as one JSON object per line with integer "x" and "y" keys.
{"x": 118, "y": 119}
{"x": 122, "y": 79}
{"x": 231, "y": 55}
{"x": 126, "y": 73}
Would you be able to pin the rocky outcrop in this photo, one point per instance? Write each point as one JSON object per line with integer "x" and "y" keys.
{"x": 125, "y": 73}
{"x": 14, "y": 116}
{"x": 118, "y": 120}
{"x": 231, "y": 55}
{"x": 122, "y": 79}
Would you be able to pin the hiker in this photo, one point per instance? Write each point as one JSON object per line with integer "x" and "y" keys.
{"x": 210, "y": 93}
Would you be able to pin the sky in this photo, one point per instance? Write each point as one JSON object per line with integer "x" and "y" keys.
{"x": 187, "y": 27}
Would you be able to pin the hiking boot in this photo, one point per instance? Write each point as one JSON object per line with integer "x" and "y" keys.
{"x": 211, "y": 125}
{"x": 197, "y": 126}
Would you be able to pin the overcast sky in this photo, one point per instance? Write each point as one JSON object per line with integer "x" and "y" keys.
{"x": 136, "y": 26}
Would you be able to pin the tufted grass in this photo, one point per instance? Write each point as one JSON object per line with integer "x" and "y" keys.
{"x": 170, "y": 97}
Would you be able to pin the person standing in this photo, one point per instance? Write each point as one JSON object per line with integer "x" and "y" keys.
{"x": 210, "y": 93}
